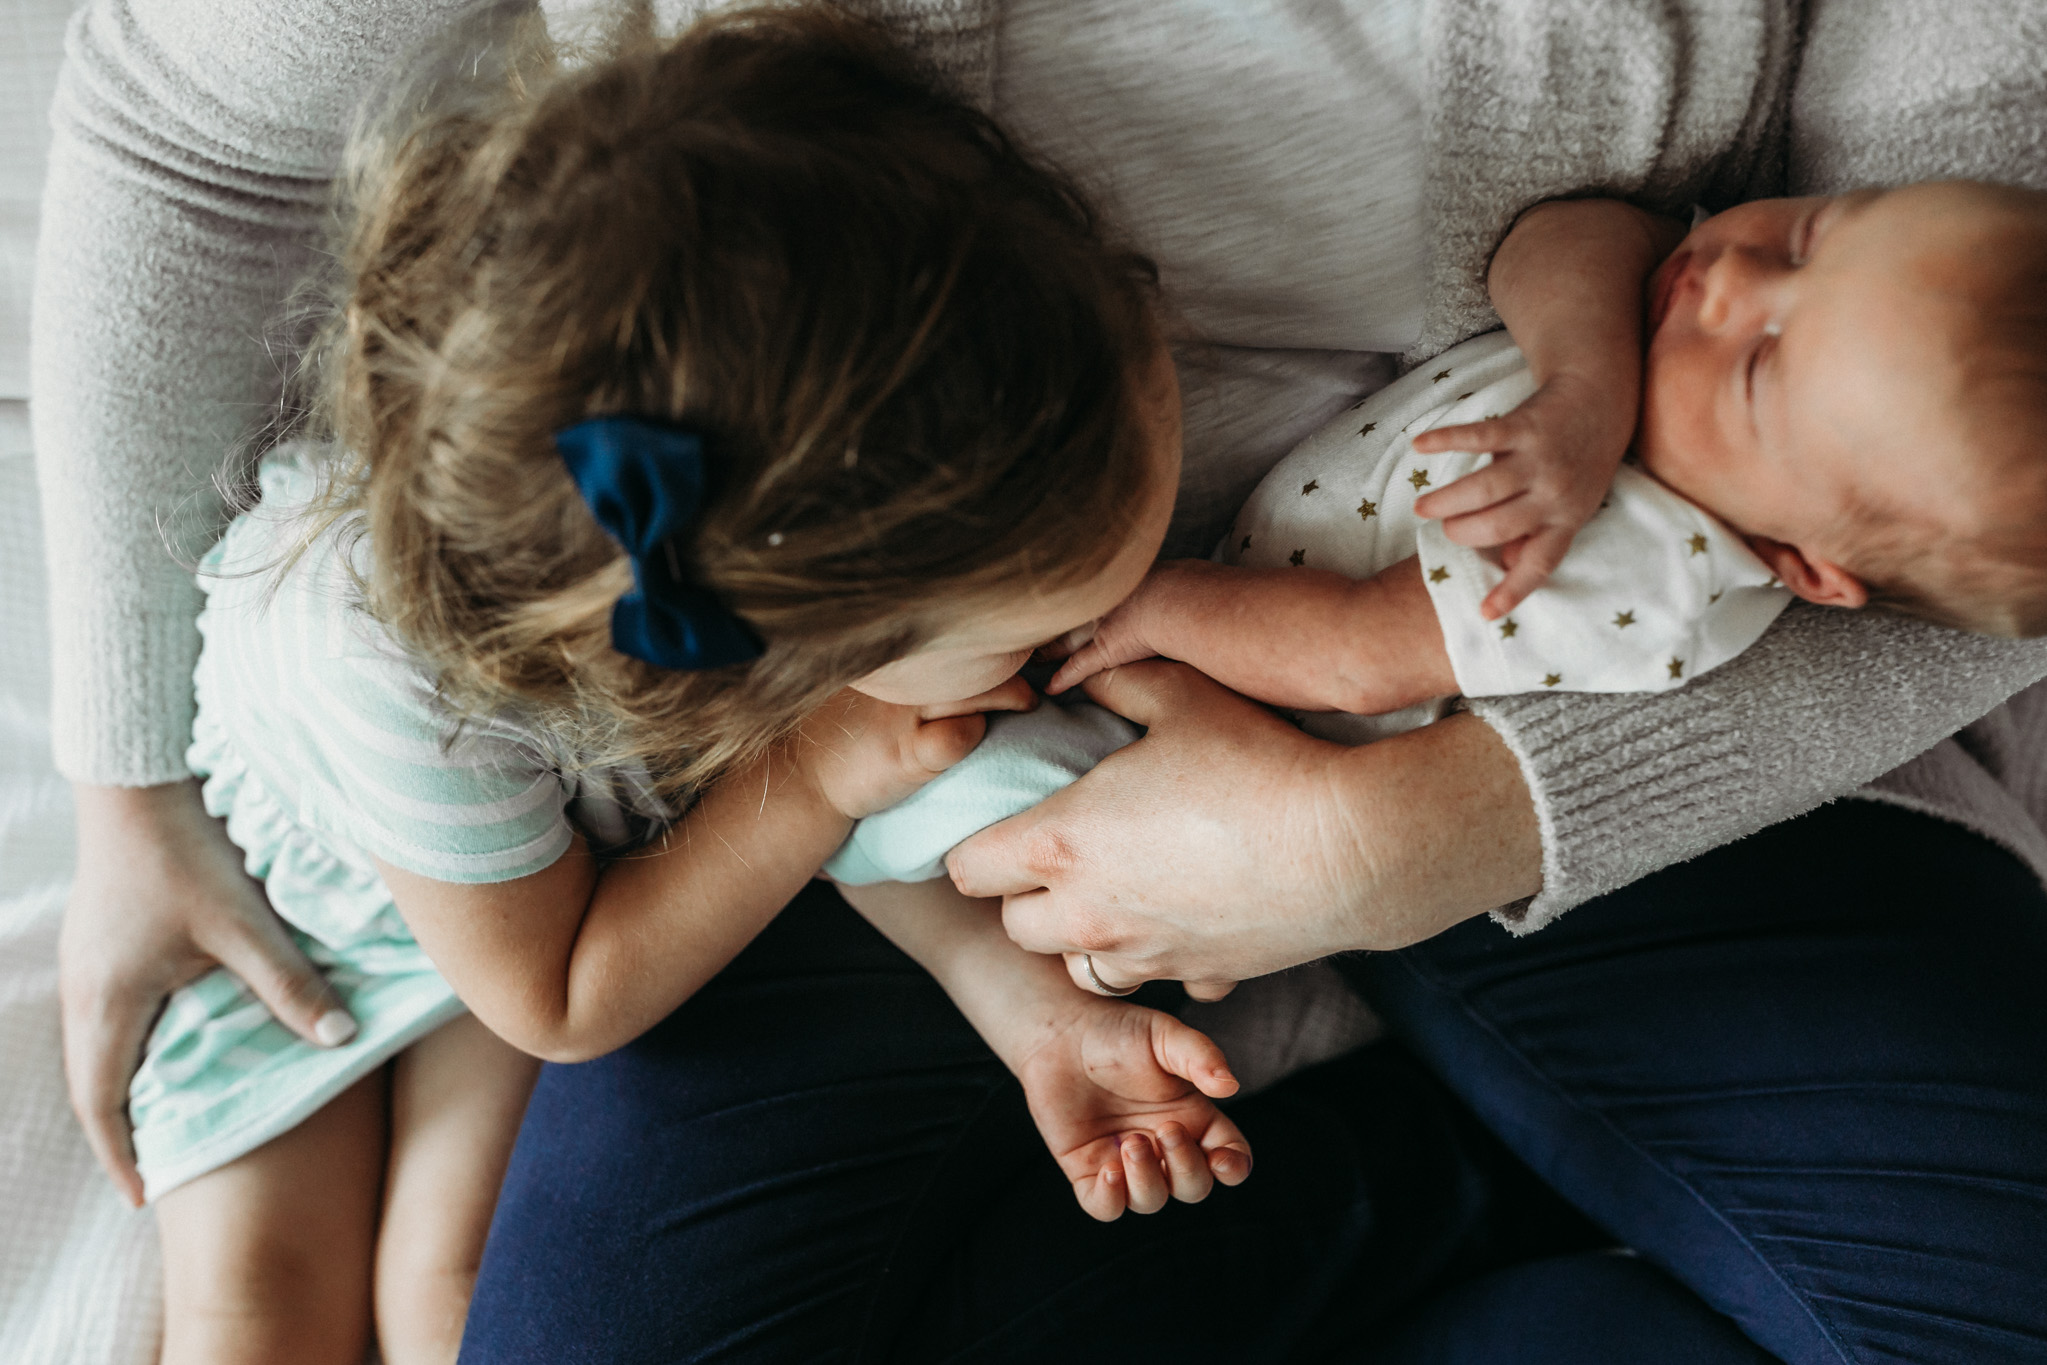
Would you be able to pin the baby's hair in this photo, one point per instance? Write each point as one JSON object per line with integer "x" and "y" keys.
{"x": 913, "y": 351}
{"x": 1993, "y": 580}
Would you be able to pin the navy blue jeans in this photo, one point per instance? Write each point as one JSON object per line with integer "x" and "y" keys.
{"x": 1804, "y": 1078}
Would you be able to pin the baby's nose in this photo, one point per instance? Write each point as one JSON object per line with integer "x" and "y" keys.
{"x": 1737, "y": 283}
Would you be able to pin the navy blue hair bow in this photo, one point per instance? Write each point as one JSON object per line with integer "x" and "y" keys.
{"x": 644, "y": 482}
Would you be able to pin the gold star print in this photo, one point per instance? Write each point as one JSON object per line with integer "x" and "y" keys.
{"x": 1508, "y": 629}
{"x": 1697, "y": 544}
{"x": 1439, "y": 574}
{"x": 1492, "y": 417}
{"x": 1310, "y": 486}
{"x": 1676, "y": 667}
{"x": 1367, "y": 510}
{"x": 1368, "y": 428}
{"x": 1440, "y": 377}
{"x": 1297, "y": 558}
{"x": 1714, "y": 598}
{"x": 1552, "y": 679}
{"x": 1623, "y": 619}
{"x": 1245, "y": 545}
{"x": 1773, "y": 583}
{"x": 1420, "y": 479}
{"x": 1462, "y": 396}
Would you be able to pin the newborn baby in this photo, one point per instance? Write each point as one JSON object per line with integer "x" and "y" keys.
{"x": 1838, "y": 402}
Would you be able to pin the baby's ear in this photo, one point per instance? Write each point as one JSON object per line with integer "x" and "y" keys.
{"x": 1819, "y": 581}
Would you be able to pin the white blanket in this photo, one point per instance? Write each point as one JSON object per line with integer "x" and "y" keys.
{"x": 79, "y": 1276}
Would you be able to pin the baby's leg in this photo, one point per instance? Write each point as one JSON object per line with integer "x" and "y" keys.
{"x": 267, "y": 1259}
{"x": 456, "y": 1100}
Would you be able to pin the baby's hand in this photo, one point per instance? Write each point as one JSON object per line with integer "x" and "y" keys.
{"x": 866, "y": 755}
{"x": 1130, "y": 632}
{"x": 1554, "y": 458}
{"x": 1121, "y": 1095}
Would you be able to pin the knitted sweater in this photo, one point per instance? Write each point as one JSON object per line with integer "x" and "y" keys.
{"x": 195, "y": 141}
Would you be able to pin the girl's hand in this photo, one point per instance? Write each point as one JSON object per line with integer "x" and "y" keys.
{"x": 865, "y": 755}
{"x": 1124, "y": 1096}
{"x": 1554, "y": 459}
{"x": 160, "y": 898}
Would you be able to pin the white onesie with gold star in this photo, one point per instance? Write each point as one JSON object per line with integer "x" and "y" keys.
{"x": 1654, "y": 592}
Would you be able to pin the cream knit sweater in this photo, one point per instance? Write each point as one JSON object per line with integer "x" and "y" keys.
{"x": 195, "y": 140}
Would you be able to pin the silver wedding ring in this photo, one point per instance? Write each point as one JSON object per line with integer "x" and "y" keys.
{"x": 1104, "y": 987}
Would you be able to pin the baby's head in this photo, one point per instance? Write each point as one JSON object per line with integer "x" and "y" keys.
{"x": 938, "y": 424}
{"x": 1859, "y": 385}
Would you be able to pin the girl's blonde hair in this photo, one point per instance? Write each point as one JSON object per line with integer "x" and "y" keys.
{"x": 911, "y": 349}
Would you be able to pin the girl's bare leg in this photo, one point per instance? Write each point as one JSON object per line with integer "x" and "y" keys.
{"x": 267, "y": 1260}
{"x": 456, "y": 1100}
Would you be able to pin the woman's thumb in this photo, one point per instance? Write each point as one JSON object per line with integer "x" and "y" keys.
{"x": 289, "y": 985}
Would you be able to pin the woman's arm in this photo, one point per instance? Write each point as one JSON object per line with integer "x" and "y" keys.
{"x": 189, "y": 173}
{"x": 1225, "y": 844}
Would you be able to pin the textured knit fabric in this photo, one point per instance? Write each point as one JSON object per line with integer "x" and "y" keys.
{"x": 323, "y": 747}
{"x": 1654, "y": 593}
{"x": 195, "y": 141}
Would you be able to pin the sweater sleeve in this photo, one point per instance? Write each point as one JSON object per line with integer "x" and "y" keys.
{"x": 195, "y": 142}
{"x": 1825, "y": 702}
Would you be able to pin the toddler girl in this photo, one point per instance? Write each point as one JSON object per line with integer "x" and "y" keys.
{"x": 717, "y": 430}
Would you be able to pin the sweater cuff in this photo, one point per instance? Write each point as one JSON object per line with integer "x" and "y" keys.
{"x": 121, "y": 698}
{"x": 1614, "y": 789}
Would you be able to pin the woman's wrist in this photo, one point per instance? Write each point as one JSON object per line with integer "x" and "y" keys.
{"x": 1439, "y": 826}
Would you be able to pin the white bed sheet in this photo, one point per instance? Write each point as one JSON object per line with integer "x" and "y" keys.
{"x": 79, "y": 1271}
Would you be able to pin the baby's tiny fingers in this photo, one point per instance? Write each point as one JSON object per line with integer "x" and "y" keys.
{"x": 1081, "y": 665}
{"x": 1477, "y": 437}
{"x": 1488, "y": 487}
{"x": 1186, "y": 1165}
{"x": 1142, "y": 1173}
{"x": 1528, "y": 568}
{"x": 1501, "y": 524}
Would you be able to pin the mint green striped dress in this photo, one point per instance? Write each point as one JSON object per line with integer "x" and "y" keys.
{"x": 323, "y": 746}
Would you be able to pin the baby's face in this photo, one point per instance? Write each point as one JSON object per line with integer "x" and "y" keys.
{"x": 1802, "y": 357}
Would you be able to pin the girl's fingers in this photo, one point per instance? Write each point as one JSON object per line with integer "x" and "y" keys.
{"x": 941, "y": 743}
{"x": 1143, "y": 1175}
{"x": 1476, "y": 491}
{"x": 1101, "y": 1195}
{"x": 1229, "y": 1155}
{"x": 1191, "y": 1055}
{"x": 1187, "y": 1169}
{"x": 1012, "y": 694}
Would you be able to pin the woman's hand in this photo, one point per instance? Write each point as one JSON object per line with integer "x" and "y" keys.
{"x": 1225, "y": 844}
{"x": 161, "y": 898}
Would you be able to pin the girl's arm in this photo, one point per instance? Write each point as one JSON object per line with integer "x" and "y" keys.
{"x": 582, "y": 957}
{"x": 1123, "y": 1095}
{"x": 189, "y": 174}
